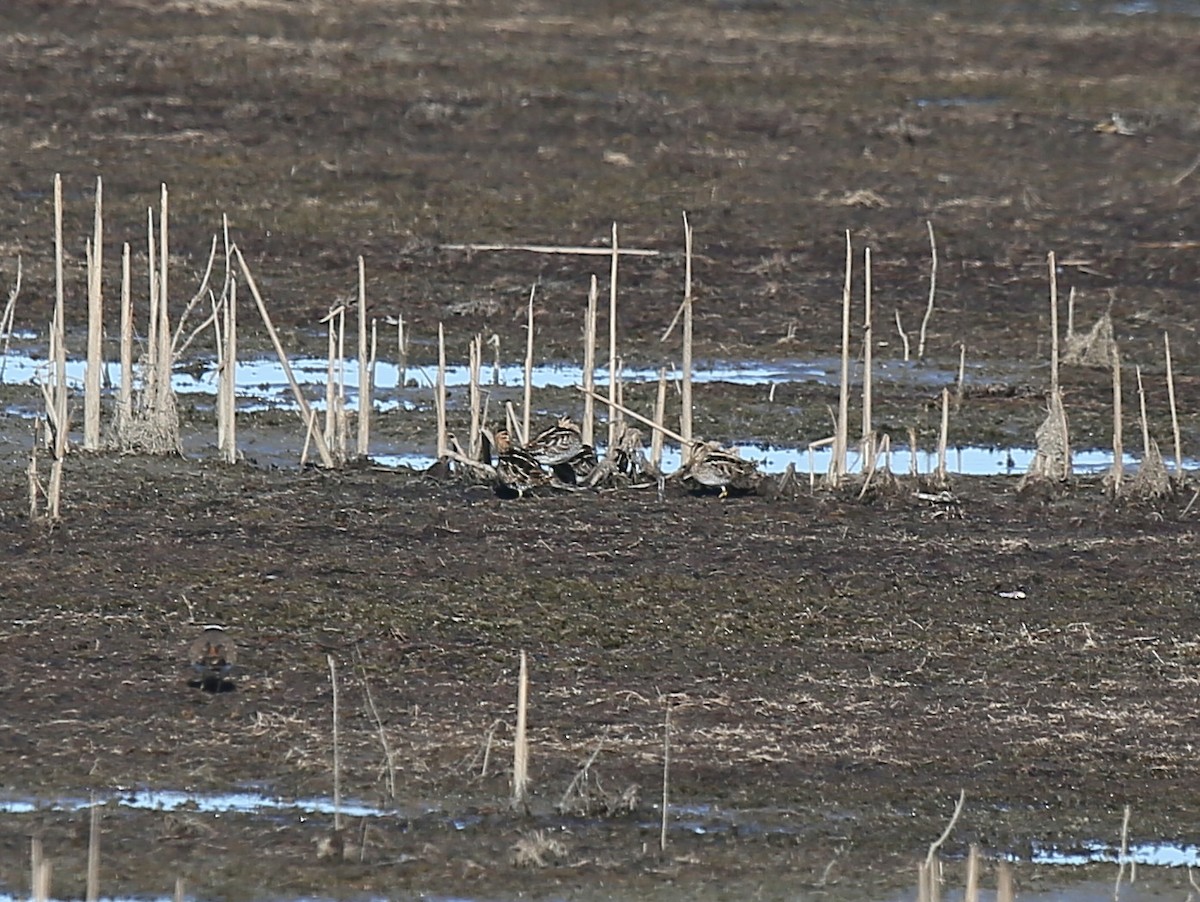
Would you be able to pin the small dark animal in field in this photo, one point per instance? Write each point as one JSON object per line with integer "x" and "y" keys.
{"x": 561, "y": 448}
{"x": 212, "y": 657}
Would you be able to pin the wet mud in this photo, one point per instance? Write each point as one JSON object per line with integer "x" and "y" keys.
{"x": 838, "y": 664}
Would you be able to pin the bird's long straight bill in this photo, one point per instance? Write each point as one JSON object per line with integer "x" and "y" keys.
{"x": 637, "y": 416}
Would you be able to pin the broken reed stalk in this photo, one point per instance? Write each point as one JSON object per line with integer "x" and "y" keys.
{"x": 1005, "y": 892}
{"x": 520, "y": 780}
{"x": 401, "y": 353}
{"x": 1174, "y": 410}
{"x": 1053, "y": 322}
{"x": 57, "y": 330}
{"x": 868, "y": 441}
{"x": 180, "y": 889}
{"x": 363, "y": 436}
{"x": 1142, "y": 414}
{"x": 527, "y": 397}
{"x": 660, "y": 413}
{"x": 837, "y": 464}
{"x": 903, "y": 336}
{"x": 943, "y": 435}
{"x": 685, "y": 413}
{"x": 971, "y": 891}
{"x": 228, "y": 400}
{"x": 551, "y": 249}
{"x": 588, "y": 428}
{"x": 1118, "y": 441}
{"x": 612, "y": 341}
{"x": 439, "y": 395}
{"x": 41, "y": 881}
{"x": 937, "y": 843}
{"x": 60, "y": 424}
{"x": 93, "y": 859}
{"x": 933, "y": 268}
{"x": 337, "y": 753}
{"x": 633, "y": 414}
{"x": 666, "y": 802}
{"x": 331, "y": 384}
{"x": 301, "y": 401}
{"x": 475, "y": 353}
{"x": 95, "y": 328}
{"x": 962, "y": 375}
{"x": 339, "y": 419}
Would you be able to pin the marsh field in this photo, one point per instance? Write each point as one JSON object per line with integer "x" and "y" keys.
{"x": 838, "y": 665}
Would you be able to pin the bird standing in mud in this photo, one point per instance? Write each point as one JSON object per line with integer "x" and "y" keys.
{"x": 516, "y": 469}
{"x": 212, "y": 656}
{"x": 716, "y": 467}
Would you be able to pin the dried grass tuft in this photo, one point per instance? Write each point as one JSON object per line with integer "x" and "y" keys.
{"x": 1151, "y": 479}
{"x": 537, "y": 849}
{"x": 1095, "y": 349}
{"x": 1052, "y": 460}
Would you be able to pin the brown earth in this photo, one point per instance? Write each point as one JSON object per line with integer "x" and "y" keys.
{"x": 837, "y": 668}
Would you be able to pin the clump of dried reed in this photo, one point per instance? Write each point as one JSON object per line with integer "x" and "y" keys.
{"x": 537, "y": 849}
{"x": 586, "y": 795}
{"x": 1093, "y": 349}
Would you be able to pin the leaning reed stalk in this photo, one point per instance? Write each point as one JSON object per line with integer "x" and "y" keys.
{"x": 305, "y": 409}
{"x": 588, "y": 428}
{"x": 520, "y": 781}
{"x": 363, "y": 437}
{"x": 933, "y": 269}
{"x": 903, "y": 336}
{"x": 1118, "y": 439}
{"x": 1142, "y": 414}
{"x": 633, "y": 414}
{"x": 837, "y": 465}
{"x": 612, "y": 341}
{"x": 943, "y": 436}
{"x": 868, "y": 441}
{"x": 666, "y": 781}
{"x": 439, "y": 399}
{"x": 1174, "y": 410}
{"x": 527, "y": 397}
{"x": 337, "y": 754}
{"x": 95, "y": 328}
{"x": 685, "y": 413}
{"x": 660, "y": 411}
{"x": 93, "y": 859}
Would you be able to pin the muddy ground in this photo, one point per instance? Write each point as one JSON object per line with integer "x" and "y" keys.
{"x": 837, "y": 667}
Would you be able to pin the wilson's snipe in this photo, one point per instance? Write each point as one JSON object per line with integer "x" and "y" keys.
{"x": 212, "y": 656}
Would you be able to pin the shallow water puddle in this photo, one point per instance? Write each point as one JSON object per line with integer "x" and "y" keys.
{"x": 264, "y": 379}
{"x": 771, "y": 459}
